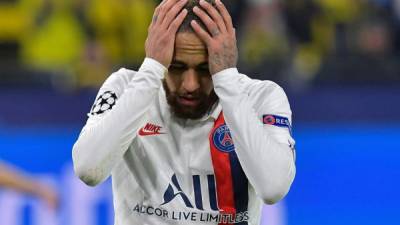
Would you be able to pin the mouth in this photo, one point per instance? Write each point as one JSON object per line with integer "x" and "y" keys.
{"x": 188, "y": 101}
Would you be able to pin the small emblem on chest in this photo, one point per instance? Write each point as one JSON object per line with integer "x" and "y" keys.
{"x": 150, "y": 129}
{"x": 222, "y": 139}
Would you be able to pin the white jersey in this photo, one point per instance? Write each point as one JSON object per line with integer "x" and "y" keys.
{"x": 167, "y": 170}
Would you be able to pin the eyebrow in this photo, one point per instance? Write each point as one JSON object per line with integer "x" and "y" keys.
{"x": 174, "y": 62}
{"x": 201, "y": 65}
{"x": 180, "y": 63}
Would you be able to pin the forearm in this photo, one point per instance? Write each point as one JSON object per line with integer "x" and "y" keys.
{"x": 10, "y": 178}
{"x": 102, "y": 143}
{"x": 269, "y": 165}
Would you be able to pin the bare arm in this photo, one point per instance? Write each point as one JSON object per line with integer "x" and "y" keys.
{"x": 13, "y": 179}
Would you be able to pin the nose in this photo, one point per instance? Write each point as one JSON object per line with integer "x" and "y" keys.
{"x": 190, "y": 81}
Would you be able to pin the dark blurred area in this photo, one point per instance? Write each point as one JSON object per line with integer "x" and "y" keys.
{"x": 65, "y": 49}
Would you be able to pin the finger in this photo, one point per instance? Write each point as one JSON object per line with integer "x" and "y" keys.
{"x": 204, "y": 36}
{"x": 164, "y": 9}
{"x": 215, "y": 15}
{"x": 210, "y": 24}
{"x": 163, "y": 2}
{"x": 225, "y": 15}
{"x": 173, "y": 28}
{"x": 157, "y": 11}
{"x": 171, "y": 15}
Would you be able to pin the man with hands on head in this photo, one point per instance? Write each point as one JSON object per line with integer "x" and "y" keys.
{"x": 187, "y": 139}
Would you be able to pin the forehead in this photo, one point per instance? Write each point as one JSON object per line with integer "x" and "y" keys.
{"x": 189, "y": 48}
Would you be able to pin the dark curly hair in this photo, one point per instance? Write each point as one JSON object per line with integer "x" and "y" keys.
{"x": 185, "y": 26}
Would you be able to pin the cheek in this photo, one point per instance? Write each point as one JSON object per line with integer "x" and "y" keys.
{"x": 173, "y": 82}
{"x": 207, "y": 84}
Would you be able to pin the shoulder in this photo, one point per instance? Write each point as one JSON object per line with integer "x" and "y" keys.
{"x": 273, "y": 109}
{"x": 268, "y": 94}
{"x": 111, "y": 90}
{"x": 118, "y": 81}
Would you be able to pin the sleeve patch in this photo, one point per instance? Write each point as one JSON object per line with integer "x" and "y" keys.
{"x": 104, "y": 103}
{"x": 278, "y": 121}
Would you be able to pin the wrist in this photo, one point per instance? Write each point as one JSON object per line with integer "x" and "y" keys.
{"x": 231, "y": 71}
{"x": 228, "y": 80}
{"x": 157, "y": 59}
{"x": 154, "y": 67}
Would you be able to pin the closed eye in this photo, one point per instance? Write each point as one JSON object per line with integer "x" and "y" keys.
{"x": 177, "y": 66}
{"x": 203, "y": 68}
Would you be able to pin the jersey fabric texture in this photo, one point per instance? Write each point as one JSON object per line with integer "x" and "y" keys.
{"x": 219, "y": 169}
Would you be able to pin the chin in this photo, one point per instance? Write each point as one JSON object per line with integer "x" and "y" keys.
{"x": 194, "y": 112}
{"x": 185, "y": 112}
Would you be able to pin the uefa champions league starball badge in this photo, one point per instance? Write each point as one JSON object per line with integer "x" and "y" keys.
{"x": 104, "y": 103}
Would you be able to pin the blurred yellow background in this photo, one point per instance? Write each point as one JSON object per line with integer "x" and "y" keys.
{"x": 85, "y": 40}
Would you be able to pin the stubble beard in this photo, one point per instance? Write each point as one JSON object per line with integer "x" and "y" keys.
{"x": 204, "y": 106}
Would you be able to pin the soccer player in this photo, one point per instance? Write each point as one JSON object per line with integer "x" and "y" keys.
{"x": 188, "y": 139}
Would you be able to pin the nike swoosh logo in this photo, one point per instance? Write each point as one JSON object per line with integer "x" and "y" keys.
{"x": 143, "y": 132}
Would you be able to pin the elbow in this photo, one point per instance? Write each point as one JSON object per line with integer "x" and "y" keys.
{"x": 271, "y": 196}
{"x": 89, "y": 180}
{"x": 277, "y": 190}
{"x": 89, "y": 175}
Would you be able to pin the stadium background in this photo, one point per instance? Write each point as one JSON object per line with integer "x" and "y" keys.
{"x": 338, "y": 60}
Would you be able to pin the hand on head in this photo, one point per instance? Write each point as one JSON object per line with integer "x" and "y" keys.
{"x": 220, "y": 37}
{"x": 167, "y": 18}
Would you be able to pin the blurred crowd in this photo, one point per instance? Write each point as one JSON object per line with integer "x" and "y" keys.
{"x": 78, "y": 43}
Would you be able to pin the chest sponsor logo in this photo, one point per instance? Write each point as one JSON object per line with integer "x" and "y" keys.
{"x": 150, "y": 129}
{"x": 222, "y": 139}
{"x": 195, "y": 210}
{"x": 174, "y": 192}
